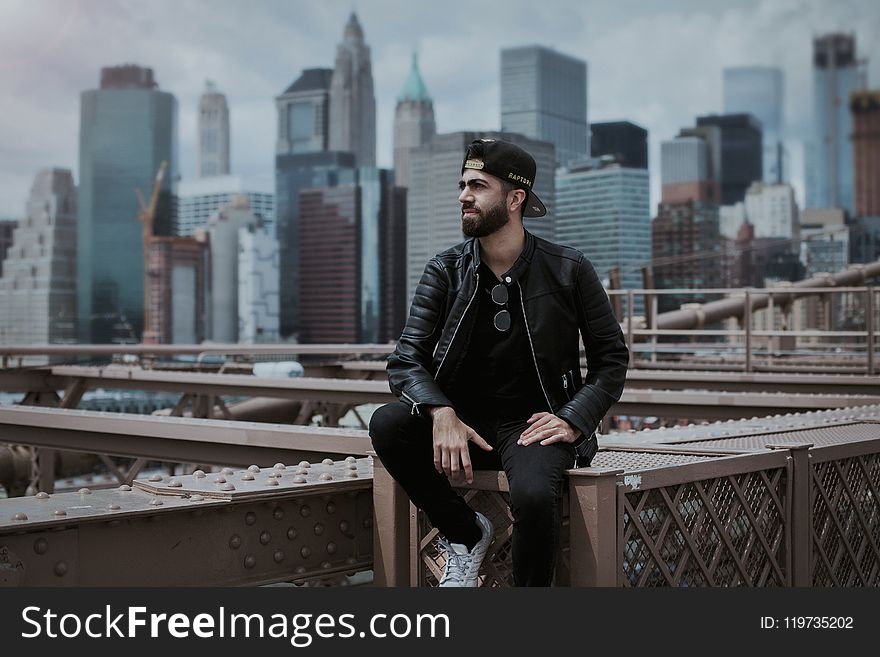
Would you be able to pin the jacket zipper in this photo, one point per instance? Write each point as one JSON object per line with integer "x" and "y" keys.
{"x": 532, "y": 347}
{"x": 458, "y": 326}
{"x": 565, "y": 385}
{"x": 415, "y": 404}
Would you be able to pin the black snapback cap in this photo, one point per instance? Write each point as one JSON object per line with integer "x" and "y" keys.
{"x": 510, "y": 163}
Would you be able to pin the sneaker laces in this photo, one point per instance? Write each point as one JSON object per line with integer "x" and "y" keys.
{"x": 456, "y": 563}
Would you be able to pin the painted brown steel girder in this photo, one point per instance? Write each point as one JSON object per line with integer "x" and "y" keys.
{"x": 179, "y": 440}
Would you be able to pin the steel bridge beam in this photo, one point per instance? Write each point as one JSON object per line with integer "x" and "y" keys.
{"x": 697, "y": 404}
{"x": 178, "y": 440}
{"x": 193, "y": 532}
{"x": 844, "y": 384}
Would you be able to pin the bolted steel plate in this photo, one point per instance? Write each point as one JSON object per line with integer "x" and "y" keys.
{"x": 42, "y": 509}
{"x": 254, "y": 481}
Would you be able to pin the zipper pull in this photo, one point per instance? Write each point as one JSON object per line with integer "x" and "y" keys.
{"x": 565, "y": 382}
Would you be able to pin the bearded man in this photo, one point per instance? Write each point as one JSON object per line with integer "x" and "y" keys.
{"x": 487, "y": 372}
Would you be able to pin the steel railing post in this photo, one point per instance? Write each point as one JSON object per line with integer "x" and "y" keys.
{"x": 629, "y": 325}
{"x": 869, "y": 329}
{"x": 391, "y": 529}
{"x": 747, "y": 321}
{"x": 801, "y": 518}
{"x": 653, "y": 327}
{"x": 593, "y": 523}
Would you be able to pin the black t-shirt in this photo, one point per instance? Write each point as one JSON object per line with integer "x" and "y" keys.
{"x": 498, "y": 371}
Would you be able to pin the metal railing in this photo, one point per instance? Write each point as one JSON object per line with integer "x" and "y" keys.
{"x": 797, "y": 506}
{"x": 824, "y": 329}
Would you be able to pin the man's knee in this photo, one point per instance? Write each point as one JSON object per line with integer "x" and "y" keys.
{"x": 533, "y": 499}
{"x": 387, "y": 424}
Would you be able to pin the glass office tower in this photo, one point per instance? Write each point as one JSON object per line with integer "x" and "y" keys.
{"x": 544, "y": 97}
{"x": 127, "y": 128}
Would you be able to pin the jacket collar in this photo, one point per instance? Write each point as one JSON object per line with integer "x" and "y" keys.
{"x": 519, "y": 266}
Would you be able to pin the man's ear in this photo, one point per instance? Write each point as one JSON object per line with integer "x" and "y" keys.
{"x": 517, "y": 200}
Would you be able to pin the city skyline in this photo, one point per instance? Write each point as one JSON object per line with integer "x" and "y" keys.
{"x": 627, "y": 46}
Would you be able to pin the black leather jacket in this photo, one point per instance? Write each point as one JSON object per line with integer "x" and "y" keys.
{"x": 561, "y": 297}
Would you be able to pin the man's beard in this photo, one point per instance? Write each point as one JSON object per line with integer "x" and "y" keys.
{"x": 484, "y": 222}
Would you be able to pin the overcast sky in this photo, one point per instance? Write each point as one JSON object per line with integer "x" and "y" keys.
{"x": 656, "y": 63}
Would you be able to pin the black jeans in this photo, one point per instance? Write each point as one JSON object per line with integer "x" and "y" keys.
{"x": 404, "y": 443}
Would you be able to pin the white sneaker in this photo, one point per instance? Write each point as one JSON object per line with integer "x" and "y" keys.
{"x": 462, "y": 566}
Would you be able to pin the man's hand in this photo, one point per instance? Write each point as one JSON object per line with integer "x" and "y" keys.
{"x": 451, "y": 437}
{"x": 548, "y": 429}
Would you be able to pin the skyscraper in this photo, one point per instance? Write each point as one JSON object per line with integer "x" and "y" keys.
{"x": 759, "y": 91}
{"x": 392, "y": 264}
{"x": 213, "y": 133}
{"x": 331, "y": 257}
{"x": 243, "y": 276}
{"x": 38, "y": 283}
{"x": 352, "y": 102}
{"x": 433, "y": 211}
{"x": 687, "y": 171}
{"x": 544, "y": 97}
{"x": 626, "y": 142}
{"x": 294, "y": 173}
{"x": 686, "y": 250}
{"x": 127, "y": 128}
{"x": 835, "y": 77}
{"x": 344, "y": 235}
{"x": 414, "y": 122}
{"x": 258, "y": 319}
{"x": 741, "y": 153}
{"x": 604, "y": 211}
{"x": 865, "y": 108}
{"x": 864, "y": 227}
{"x": 302, "y": 161}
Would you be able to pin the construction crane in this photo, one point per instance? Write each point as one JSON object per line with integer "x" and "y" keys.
{"x": 147, "y": 217}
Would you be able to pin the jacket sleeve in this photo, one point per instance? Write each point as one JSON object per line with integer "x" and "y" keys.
{"x": 606, "y": 351}
{"x": 410, "y": 368}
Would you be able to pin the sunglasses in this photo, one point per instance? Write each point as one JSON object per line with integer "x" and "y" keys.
{"x": 502, "y": 317}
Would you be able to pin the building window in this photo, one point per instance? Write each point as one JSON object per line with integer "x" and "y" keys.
{"x": 301, "y": 125}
